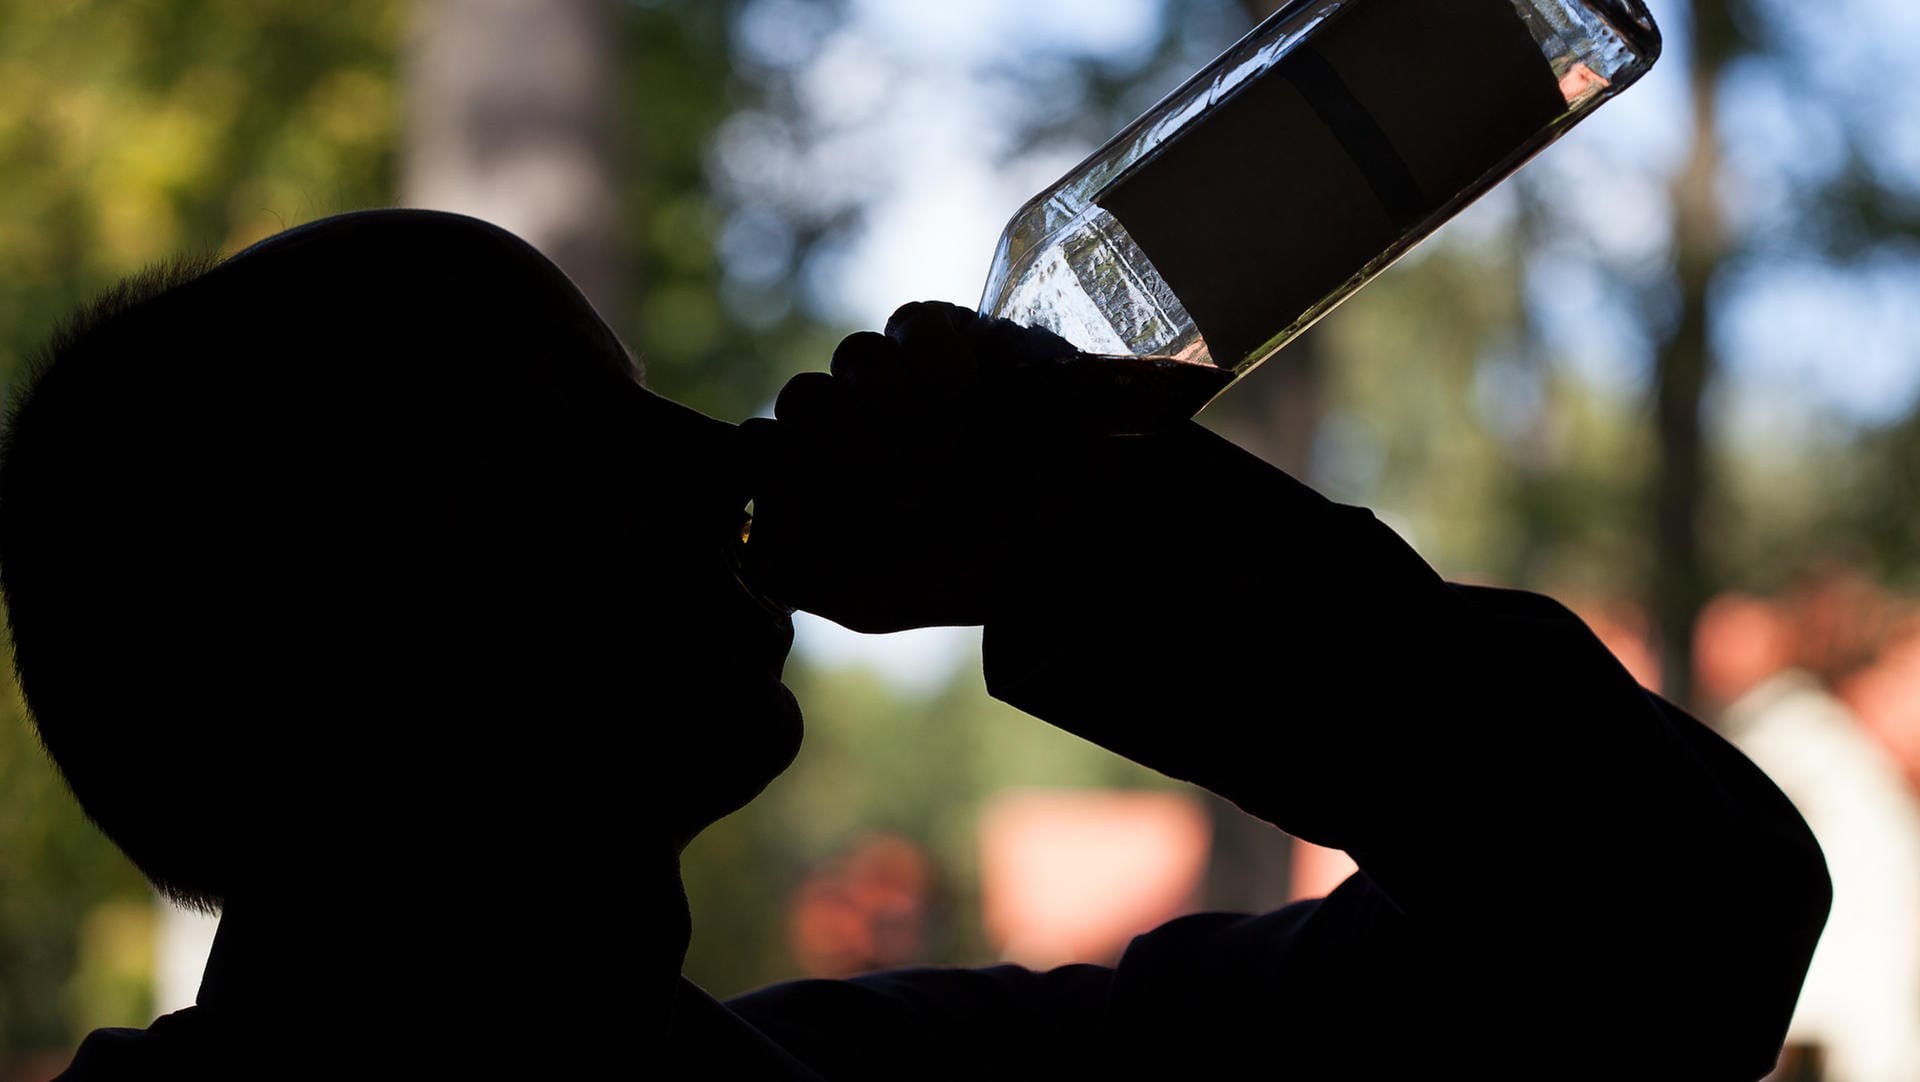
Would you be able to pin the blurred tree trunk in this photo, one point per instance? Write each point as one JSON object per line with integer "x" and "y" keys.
{"x": 1273, "y": 413}
{"x": 1681, "y": 582}
{"x": 510, "y": 117}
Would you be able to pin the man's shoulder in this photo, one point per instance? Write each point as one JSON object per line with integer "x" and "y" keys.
{"x": 940, "y": 990}
{"x": 946, "y": 1021}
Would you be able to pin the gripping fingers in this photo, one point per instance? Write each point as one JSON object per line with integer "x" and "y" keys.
{"x": 810, "y": 398}
{"x": 936, "y": 340}
{"x": 869, "y": 361}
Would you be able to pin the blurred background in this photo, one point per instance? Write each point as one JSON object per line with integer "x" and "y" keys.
{"x": 1670, "y": 374}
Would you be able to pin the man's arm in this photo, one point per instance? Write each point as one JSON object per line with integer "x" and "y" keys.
{"x": 1629, "y": 879}
{"x": 1552, "y": 858}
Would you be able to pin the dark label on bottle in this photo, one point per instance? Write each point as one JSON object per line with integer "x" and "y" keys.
{"x": 1278, "y": 195}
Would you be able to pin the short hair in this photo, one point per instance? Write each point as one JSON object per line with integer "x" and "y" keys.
{"x": 35, "y": 605}
{"x": 207, "y": 473}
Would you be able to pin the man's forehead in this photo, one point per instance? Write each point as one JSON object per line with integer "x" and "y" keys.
{"x": 423, "y": 266}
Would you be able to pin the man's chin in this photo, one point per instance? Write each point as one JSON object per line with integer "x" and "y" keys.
{"x": 752, "y": 748}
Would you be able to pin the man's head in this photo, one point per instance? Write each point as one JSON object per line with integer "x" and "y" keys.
{"x": 368, "y": 542}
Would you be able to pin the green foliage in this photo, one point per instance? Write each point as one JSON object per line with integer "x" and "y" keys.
{"x": 1535, "y": 486}
{"x": 59, "y": 879}
{"x": 718, "y": 344}
{"x": 1872, "y": 504}
{"x": 133, "y": 130}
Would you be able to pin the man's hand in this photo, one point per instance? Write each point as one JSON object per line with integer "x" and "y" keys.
{"x": 885, "y": 492}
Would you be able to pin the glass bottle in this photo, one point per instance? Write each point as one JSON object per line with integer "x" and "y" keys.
{"x": 1289, "y": 172}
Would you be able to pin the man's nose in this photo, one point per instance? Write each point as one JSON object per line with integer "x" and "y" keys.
{"x": 697, "y": 453}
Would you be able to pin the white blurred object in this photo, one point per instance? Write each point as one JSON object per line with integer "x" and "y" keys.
{"x": 1861, "y": 1000}
{"x": 180, "y": 946}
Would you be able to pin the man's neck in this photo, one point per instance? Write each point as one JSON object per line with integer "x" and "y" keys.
{"x": 578, "y": 953}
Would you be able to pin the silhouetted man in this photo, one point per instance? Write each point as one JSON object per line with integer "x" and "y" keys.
{"x": 359, "y": 589}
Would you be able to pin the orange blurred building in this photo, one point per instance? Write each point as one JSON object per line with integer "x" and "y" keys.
{"x": 1073, "y": 875}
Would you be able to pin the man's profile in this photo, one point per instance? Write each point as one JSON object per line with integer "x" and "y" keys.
{"x": 453, "y": 637}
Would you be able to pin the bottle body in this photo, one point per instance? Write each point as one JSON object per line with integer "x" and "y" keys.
{"x": 1299, "y": 165}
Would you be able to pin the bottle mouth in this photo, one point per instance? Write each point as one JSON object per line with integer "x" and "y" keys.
{"x": 735, "y": 551}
